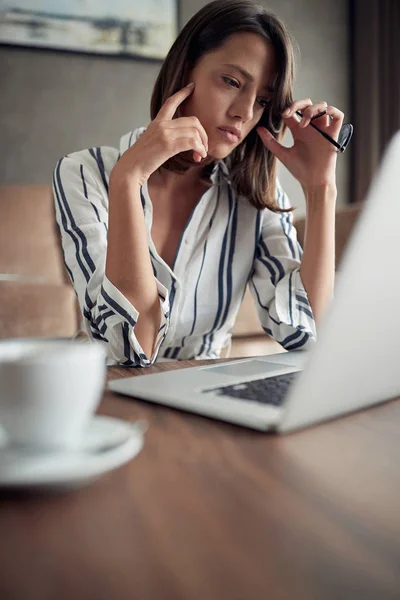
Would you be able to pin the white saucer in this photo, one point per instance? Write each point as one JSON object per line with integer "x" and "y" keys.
{"x": 107, "y": 443}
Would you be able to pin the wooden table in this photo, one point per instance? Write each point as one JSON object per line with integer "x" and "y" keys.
{"x": 210, "y": 511}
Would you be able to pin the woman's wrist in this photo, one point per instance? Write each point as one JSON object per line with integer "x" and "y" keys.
{"x": 123, "y": 180}
{"x": 320, "y": 194}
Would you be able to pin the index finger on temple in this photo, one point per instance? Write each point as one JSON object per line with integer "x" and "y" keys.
{"x": 170, "y": 106}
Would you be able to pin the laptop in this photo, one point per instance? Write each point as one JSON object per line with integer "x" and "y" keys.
{"x": 355, "y": 362}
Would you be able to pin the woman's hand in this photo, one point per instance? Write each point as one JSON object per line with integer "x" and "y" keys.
{"x": 312, "y": 158}
{"x": 163, "y": 138}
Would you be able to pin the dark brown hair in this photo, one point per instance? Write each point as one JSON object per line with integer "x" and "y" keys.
{"x": 253, "y": 168}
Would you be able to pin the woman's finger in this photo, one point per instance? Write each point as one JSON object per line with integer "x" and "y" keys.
{"x": 321, "y": 120}
{"x": 186, "y": 143}
{"x": 190, "y": 122}
{"x": 300, "y": 105}
{"x": 335, "y": 120}
{"x": 193, "y": 135}
{"x": 309, "y": 113}
{"x": 281, "y": 152}
{"x": 170, "y": 106}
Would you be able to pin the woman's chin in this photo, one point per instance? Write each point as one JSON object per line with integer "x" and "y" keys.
{"x": 220, "y": 151}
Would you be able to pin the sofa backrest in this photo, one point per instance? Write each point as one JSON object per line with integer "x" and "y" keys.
{"x": 36, "y": 297}
{"x": 29, "y": 243}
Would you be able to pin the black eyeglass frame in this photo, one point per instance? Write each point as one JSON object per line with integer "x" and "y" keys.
{"x": 344, "y": 137}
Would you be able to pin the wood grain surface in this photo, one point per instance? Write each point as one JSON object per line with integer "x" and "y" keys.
{"x": 211, "y": 511}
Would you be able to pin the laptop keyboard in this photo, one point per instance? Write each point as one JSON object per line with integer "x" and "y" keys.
{"x": 269, "y": 390}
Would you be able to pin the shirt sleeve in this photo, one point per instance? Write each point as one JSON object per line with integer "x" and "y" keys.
{"x": 81, "y": 204}
{"x": 282, "y": 304}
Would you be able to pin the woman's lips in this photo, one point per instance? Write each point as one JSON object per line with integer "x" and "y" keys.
{"x": 228, "y": 135}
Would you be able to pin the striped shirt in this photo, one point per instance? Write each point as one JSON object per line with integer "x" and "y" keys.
{"x": 226, "y": 245}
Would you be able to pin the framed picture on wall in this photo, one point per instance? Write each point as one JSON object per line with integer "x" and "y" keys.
{"x": 140, "y": 28}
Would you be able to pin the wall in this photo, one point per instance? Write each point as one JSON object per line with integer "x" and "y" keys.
{"x": 53, "y": 103}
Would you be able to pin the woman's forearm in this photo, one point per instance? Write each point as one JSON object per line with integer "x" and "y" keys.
{"x": 128, "y": 264}
{"x": 318, "y": 264}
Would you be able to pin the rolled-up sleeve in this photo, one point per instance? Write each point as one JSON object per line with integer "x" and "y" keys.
{"x": 81, "y": 204}
{"x": 282, "y": 304}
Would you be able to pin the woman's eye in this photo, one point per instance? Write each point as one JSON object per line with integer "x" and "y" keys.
{"x": 231, "y": 82}
{"x": 262, "y": 102}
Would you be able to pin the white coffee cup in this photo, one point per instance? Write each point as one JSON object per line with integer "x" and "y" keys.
{"x": 49, "y": 390}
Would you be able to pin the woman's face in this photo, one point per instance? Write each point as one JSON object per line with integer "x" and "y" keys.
{"x": 232, "y": 88}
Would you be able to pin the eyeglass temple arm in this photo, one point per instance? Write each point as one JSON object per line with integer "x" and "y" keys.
{"x": 325, "y": 135}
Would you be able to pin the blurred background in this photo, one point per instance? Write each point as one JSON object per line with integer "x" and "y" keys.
{"x": 54, "y": 102}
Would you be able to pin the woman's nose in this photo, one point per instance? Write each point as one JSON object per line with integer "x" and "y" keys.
{"x": 243, "y": 108}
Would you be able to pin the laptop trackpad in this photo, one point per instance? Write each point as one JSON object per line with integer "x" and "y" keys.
{"x": 252, "y": 367}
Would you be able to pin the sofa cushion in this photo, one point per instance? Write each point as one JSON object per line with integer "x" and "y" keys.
{"x": 29, "y": 239}
{"x": 29, "y": 309}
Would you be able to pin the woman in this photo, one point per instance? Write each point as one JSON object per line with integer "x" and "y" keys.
{"x": 161, "y": 238}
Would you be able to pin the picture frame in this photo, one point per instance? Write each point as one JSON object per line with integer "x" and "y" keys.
{"x": 125, "y": 28}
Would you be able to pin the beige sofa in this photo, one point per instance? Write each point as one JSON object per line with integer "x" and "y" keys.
{"x": 36, "y": 296}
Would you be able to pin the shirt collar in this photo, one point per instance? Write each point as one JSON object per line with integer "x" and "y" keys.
{"x": 220, "y": 169}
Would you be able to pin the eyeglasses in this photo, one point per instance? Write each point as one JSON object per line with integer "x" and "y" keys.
{"x": 344, "y": 137}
